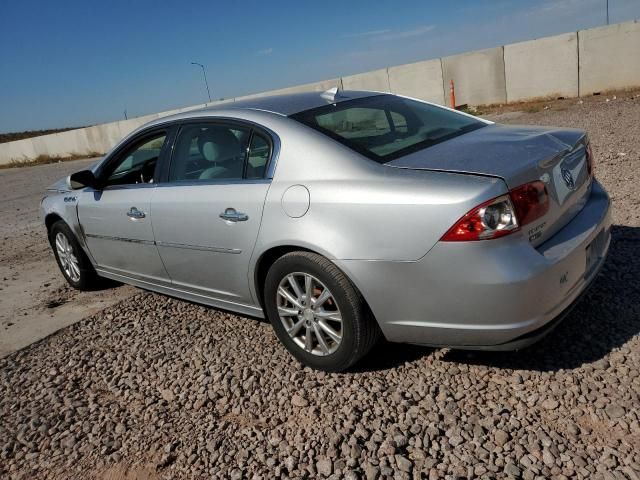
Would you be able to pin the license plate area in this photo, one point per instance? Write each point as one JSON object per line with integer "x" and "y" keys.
{"x": 594, "y": 252}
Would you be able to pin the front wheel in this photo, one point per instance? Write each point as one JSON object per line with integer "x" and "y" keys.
{"x": 317, "y": 313}
{"x": 73, "y": 262}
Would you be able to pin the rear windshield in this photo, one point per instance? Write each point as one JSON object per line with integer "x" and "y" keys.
{"x": 386, "y": 127}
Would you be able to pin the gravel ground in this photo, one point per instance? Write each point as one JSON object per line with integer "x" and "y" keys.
{"x": 160, "y": 388}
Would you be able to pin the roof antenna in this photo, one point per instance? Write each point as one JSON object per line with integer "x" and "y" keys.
{"x": 332, "y": 94}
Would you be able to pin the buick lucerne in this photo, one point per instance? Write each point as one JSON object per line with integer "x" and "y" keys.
{"x": 343, "y": 217}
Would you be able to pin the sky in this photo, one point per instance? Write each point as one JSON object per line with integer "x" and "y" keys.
{"x": 71, "y": 63}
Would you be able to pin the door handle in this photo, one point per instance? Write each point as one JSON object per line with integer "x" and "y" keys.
{"x": 135, "y": 213}
{"x": 231, "y": 215}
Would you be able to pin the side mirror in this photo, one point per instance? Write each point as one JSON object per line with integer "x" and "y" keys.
{"x": 81, "y": 179}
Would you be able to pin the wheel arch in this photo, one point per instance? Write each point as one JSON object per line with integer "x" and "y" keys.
{"x": 69, "y": 217}
{"x": 268, "y": 258}
{"x": 50, "y": 219}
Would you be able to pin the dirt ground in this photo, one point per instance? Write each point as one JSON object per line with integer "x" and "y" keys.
{"x": 159, "y": 388}
{"x": 35, "y": 301}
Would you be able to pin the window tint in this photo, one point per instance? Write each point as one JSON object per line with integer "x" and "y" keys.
{"x": 259, "y": 153}
{"x": 356, "y": 122}
{"x": 209, "y": 152}
{"x": 138, "y": 164}
{"x": 399, "y": 123}
{"x": 385, "y": 127}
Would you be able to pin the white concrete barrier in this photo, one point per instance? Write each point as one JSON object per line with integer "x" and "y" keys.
{"x": 547, "y": 67}
{"x": 377, "y": 80}
{"x": 567, "y": 65}
{"x": 609, "y": 57}
{"x": 421, "y": 80}
{"x": 478, "y": 76}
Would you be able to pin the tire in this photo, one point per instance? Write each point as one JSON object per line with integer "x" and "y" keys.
{"x": 357, "y": 328}
{"x": 81, "y": 277}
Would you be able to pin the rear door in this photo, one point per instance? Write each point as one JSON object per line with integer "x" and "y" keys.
{"x": 207, "y": 210}
{"x": 116, "y": 220}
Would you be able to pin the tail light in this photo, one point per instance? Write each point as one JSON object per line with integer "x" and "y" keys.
{"x": 589, "y": 155}
{"x": 502, "y": 215}
{"x": 492, "y": 219}
{"x": 531, "y": 201}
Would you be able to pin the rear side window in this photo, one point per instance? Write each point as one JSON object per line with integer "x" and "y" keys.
{"x": 209, "y": 152}
{"x": 259, "y": 153}
{"x": 386, "y": 127}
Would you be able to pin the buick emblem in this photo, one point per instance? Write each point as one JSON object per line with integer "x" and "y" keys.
{"x": 568, "y": 179}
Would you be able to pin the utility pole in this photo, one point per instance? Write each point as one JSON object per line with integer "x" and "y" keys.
{"x": 607, "y": 12}
{"x": 204, "y": 74}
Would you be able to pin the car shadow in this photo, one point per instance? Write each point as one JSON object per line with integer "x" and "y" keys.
{"x": 386, "y": 356}
{"x": 606, "y": 319}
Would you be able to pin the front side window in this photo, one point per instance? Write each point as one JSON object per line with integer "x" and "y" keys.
{"x": 137, "y": 164}
{"x": 386, "y": 127}
{"x": 209, "y": 152}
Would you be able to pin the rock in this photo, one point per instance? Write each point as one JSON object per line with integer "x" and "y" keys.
{"x": 371, "y": 472}
{"x": 68, "y": 442}
{"x": 550, "y": 404}
{"x": 455, "y": 440}
{"x": 500, "y": 437}
{"x": 324, "y": 467}
{"x": 511, "y": 469}
{"x": 350, "y": 475}
{"x": 614, "y": 411}
{"x": 298, "y": 401}
{"x": 167, "y": 395}
{"x": 404, "y": 464}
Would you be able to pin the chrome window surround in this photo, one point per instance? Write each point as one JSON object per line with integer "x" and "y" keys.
{"x": 271, "y": 166}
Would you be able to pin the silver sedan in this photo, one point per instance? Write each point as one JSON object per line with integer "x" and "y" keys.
{"x": 344, "y": 217}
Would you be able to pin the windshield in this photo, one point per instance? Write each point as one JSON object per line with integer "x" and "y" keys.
{"x": 386, "y": 127}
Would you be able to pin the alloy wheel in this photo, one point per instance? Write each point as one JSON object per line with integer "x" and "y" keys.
{"x": 68, "y": 258}
{"x": 309, "y": 313}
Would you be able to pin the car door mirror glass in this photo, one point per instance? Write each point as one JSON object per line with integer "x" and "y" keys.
{"x": 82, "y": 179}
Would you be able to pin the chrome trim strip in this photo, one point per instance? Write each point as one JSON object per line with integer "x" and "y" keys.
{"x": 120, "y": 239}
{"x": 204, "y": 248}
{"x": 201, "y": 183}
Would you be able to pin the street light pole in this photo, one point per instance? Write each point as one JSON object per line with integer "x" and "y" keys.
{"x": 607, "y": 12}
{"x": 204, "y": 74}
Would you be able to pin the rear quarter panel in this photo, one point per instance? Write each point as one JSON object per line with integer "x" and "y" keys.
{"x": 360, "y": 209}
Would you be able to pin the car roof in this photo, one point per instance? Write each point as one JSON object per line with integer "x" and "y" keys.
{"x": 289, "y": 104}
{"x": 286, "y": 105}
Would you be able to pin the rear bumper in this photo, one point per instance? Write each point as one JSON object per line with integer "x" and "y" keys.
{"x": 501, "y": 294}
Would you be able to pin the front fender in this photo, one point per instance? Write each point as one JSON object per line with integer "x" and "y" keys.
{"x": 63, "y": 204}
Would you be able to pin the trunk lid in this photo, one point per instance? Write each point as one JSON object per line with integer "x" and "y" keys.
{"x": 519, "y": 155}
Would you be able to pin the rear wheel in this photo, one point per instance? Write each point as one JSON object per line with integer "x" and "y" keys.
{"x": 317, "y": 313}
{"x": 73, "y": 262}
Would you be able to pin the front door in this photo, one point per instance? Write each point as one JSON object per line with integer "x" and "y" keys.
{"x": 207, "y": 214}
{"x": 116, "y": 220}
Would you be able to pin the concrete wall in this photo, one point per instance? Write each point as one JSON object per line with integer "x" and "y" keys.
{"x": 421, "y": 80}
{"x": 567, "y": 65}
{"x": 478, "y": 76}
{"x": 378, "y": 80}
{"x": 82, "y": 141}
{"x": 609, "y": 57}
{"x": 547, "y": 67}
